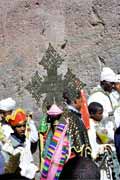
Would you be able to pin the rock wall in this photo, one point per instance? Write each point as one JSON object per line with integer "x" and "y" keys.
{"x": 85, "y": 33}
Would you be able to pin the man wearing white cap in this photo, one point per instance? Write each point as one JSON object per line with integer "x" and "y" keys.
{"x": 101, "y": 94}
{"x": 6, "y": 107}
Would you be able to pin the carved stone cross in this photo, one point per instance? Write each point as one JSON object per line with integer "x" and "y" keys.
{"x": 53, "y": 84}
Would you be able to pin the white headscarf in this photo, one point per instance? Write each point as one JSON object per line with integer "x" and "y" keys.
{"x": 7, "y": 104}
{"x": 108, "y": 74}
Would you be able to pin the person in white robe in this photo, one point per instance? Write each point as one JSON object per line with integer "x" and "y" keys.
{"x": 19, "y": 147}
{"x": 101, "y": 94}
{"x": 6, "y": 108}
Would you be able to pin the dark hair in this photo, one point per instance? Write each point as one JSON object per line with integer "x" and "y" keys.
{"x": 80, "y": 168}
{"x": 66, "y": 97}
{"x": 94, "y": 107}
{"x": 70, "y": 96}
{"x": 51, "y": 118}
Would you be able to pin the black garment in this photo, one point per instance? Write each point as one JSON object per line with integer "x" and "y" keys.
{"x": 80, "y": 168}
{"x": 12, "y": 177}
{"x": 78, "y": 133}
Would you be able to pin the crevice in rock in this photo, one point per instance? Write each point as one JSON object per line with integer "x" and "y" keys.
{"x": 96, "y": 19}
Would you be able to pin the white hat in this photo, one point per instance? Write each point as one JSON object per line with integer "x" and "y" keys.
{"x": 107, "y": 74}
{"x": 117, "y": 78}
{"x": 7, "y": 104}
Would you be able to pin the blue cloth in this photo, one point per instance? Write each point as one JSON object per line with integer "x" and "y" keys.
{"x": 117, "y": 142}
{"x": 2, "y": 164}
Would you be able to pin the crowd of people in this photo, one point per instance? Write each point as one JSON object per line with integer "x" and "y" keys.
{"x": 75, "y": 141}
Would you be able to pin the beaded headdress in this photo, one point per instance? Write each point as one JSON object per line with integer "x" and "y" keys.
{"x": 73, "y": 89}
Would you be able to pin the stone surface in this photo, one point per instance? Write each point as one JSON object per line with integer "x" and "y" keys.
{"x": 86, "y": 34}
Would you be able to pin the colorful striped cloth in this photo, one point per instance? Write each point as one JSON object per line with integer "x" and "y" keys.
{"x": 57, "y": 154}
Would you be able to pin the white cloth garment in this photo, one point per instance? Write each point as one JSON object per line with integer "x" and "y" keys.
{"x": 33, "y": 131}
{"x": 96, "y": 148}
{"x": 7, "y": 130}
{"x": 115, "y": 98}
{"x": 117, "y": 78}
{"x": 28, "y": 168}
{"x": 98, "y": 95}
{"x": 117, "y": 116}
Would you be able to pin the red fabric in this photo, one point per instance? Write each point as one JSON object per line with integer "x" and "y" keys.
{"x": 20, "y": 117}
{"x": 84, "y": 110}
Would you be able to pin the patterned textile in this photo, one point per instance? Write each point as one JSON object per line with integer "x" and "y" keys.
{"x": 109, "y": 163}
{"x": 57, "y": 154}
{"x": 78, "y": 133}
{"x": 47, "y": 143}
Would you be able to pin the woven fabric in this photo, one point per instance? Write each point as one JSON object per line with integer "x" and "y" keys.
{"x": 78, "y": 133}
{"x": 57, "y": 154}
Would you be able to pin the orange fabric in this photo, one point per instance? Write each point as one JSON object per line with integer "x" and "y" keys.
{"x": 17, "y": 117}
{"x": 84, "y": 110}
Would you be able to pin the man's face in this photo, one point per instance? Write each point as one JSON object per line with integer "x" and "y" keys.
{"x": 3, "y": 114}
{"x": 20, "y": 128}
{"x": 117, "y": 87}
{"x": 107, "y": 86}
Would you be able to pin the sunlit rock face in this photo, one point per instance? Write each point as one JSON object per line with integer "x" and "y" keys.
{"x": 85, "y": 34}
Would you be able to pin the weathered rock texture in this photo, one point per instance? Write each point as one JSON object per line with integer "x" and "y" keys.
{"x": 86, "y": 34}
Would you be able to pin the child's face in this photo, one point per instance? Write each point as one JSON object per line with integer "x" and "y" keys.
{"x": 98, "y": 115}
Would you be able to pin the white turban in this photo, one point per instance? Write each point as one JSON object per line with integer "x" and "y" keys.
{"x": 108, "y": 74}
{"x": 117, "y": 78}
{"x": 7, "y": 104}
